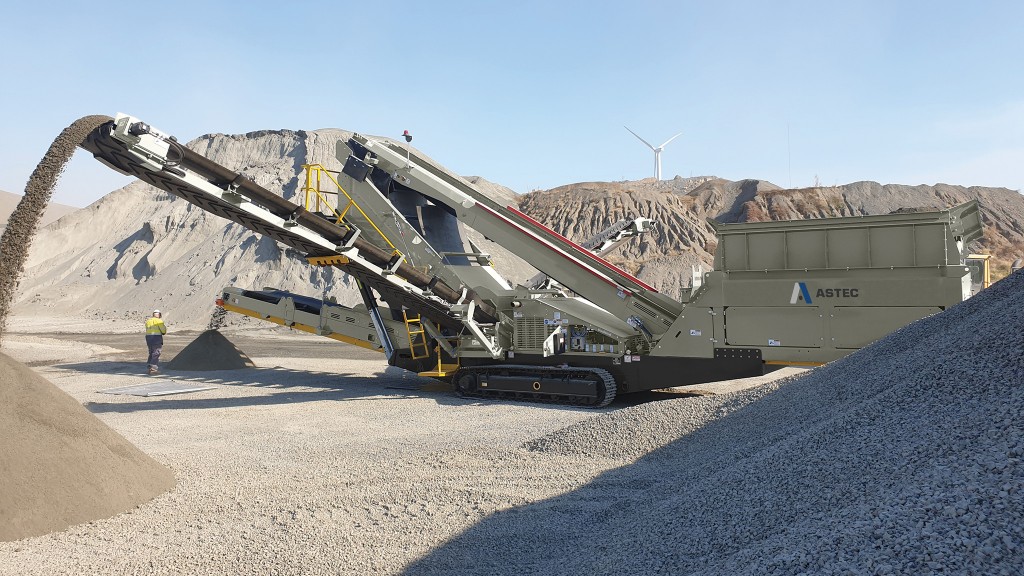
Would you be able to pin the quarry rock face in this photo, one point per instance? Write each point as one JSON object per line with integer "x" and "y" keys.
{"x": 139, "y": 248}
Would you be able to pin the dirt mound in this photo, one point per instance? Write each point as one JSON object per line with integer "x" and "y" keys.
{"x": 210, "y": 351}
{"x": 60, "y": 464}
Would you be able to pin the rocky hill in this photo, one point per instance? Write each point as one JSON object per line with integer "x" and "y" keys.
{"x": 139, "y": 248}
{"x": 683, "y": 237}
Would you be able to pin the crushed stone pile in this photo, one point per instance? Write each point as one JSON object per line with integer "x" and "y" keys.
{"x": 903, "y": 458}
{"x": 59, "y": 464}
{"x": 210, "y": 351}
{"x": 603, "y": 436}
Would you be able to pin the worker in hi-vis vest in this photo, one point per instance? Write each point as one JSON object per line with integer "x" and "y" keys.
{"x": 155, "y": 330}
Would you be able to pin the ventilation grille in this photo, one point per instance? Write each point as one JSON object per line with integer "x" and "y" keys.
{"x": 644, "y": 309}
{"x": 530, "y": 333}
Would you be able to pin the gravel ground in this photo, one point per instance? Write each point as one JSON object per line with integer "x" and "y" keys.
{"x": 902, "y": 458}
{"x": 311, "y": 464}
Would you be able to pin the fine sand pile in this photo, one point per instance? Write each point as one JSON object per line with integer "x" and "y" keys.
{"x": 210, "y": 351}
{"x": 905, "y": 458}
{"x": 59, "y": 464}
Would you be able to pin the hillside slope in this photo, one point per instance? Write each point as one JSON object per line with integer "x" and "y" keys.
{"x": 54, "y": 211}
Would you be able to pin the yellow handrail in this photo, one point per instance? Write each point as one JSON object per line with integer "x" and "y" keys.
{"x": 322, "y": 201}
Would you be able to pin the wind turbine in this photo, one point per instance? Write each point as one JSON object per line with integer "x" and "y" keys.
{"x": 657, "y": 151}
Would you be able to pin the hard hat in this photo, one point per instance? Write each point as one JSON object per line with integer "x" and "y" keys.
{"x": 156, "y": 311}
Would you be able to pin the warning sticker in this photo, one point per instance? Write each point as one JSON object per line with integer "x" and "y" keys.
{"x": 694, "y": 332}
{"x": 774, "y": 342}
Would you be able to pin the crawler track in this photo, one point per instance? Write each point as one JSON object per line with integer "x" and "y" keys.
{"x": 574, "y": 385}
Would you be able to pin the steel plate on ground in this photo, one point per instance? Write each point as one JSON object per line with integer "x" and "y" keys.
{"x": 159, "y": 388}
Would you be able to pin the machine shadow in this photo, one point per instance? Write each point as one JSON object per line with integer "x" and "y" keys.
{"x": 294, "y": 386}
{"x": 329, "y": 386}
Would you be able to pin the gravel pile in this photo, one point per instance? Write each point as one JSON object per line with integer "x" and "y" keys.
{"x": 903, "y": 458}
{"x": 633, "y": 432}
{"x": 211, "y": 350}
{"x": 21, "y": 226}
{"x": 59, "y": 464}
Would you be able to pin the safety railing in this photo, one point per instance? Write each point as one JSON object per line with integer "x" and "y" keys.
{"x": 318, "y": 198}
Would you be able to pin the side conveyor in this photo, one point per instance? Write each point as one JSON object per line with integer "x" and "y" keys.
{"x": 350, "y": 325}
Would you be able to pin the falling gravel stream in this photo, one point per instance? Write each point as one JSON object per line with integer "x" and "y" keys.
{"x": 21, "y": 227}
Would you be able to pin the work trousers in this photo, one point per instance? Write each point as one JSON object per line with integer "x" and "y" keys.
{"x": 156, "y": 344}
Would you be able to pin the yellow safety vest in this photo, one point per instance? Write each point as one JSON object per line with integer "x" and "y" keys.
{"x": 155, "y": 326}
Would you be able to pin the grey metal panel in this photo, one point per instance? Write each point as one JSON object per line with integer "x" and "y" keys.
{"x": 589, "y": 314}
{"x": 965, "y": 221}
{"x": 693, "y": 334}
{"x": 797, "y": 327}
{"x": 930, "y": 245}
{"x": 892, "y": 246}
{"x": 767, "y": 250}
{"x": 807, "y": 249}
{"x": 922, "y": 239}
{"x": 734, "y": 252}
{"x": 477, "y": 277}
{"x": 849, "y": 248}
{"x": 856, "y": 327}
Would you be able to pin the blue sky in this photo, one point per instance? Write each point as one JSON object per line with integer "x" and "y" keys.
{"x": 534, "y": 95}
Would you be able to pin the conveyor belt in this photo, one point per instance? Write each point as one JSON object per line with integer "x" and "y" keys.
{"x": 302, "y": 303}
{"x": 116, "y": 154}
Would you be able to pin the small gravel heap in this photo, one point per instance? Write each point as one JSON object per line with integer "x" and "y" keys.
{"x": 903, "y": 458}
{"x": 210, "y": 351}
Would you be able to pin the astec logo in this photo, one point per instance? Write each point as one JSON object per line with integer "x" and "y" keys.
{"x": 800, "y": 293}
